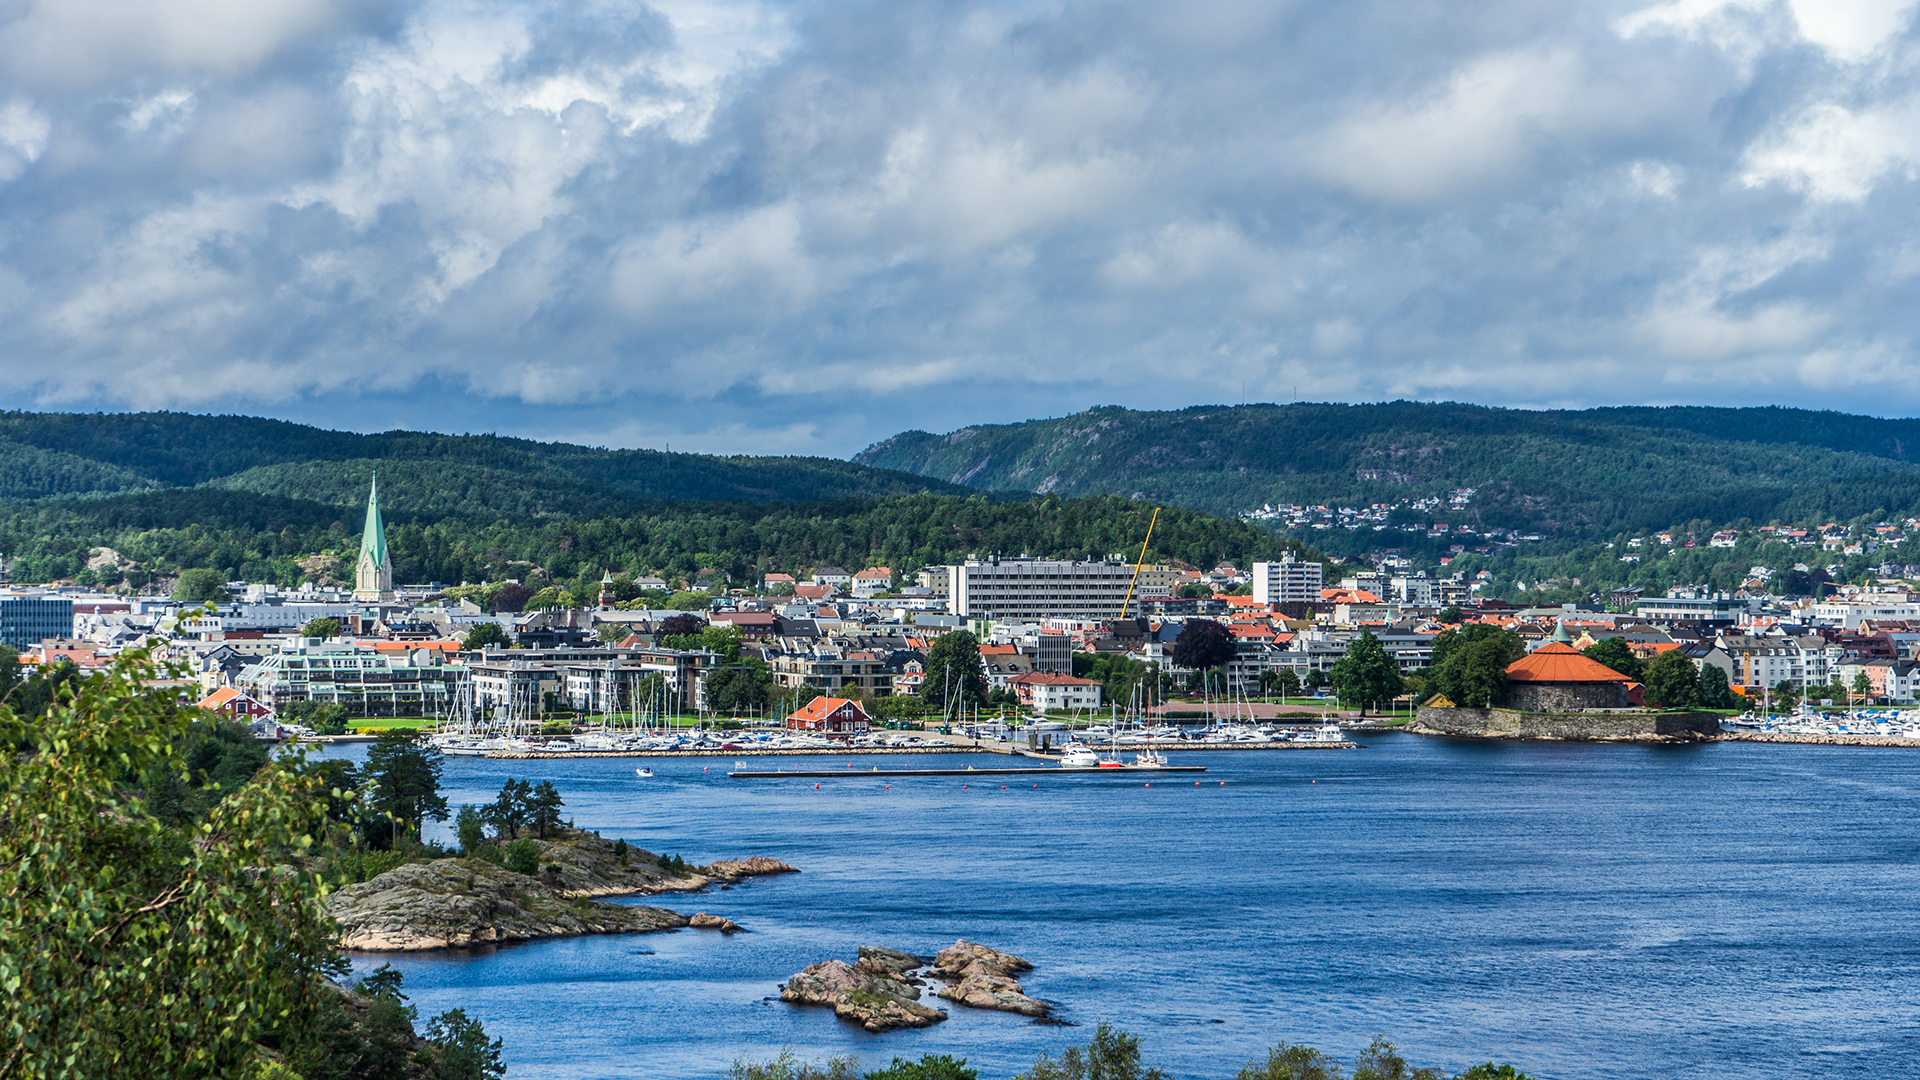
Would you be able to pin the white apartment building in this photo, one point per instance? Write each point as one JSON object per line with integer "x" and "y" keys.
{"x": 1288, "y": 581}
{"x": 1037, "y": 589}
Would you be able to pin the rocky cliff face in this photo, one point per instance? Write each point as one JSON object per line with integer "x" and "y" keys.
{"x": 453, "y": 903}
{"x": 450, "y": 903}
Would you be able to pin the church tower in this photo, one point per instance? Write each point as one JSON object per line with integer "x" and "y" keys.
{"x": 373, "y": 573}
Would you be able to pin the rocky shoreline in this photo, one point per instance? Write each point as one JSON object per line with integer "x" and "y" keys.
{"x": 880, "y": 991}
{"x": 462, "y": 902}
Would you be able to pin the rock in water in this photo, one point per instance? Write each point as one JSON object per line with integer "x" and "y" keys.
{"x": 884, "y": 961}
{"x": 450, "y": 903}
{"x": 703, "y": 921}
{"x": 735, "y": 869}
{"x": 964, "y": 958}
{"x": 875, "y": 1002}
{"x": 982, "y": 991}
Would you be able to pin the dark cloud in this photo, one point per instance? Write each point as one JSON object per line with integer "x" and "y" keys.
{"x": 806, "y": 226}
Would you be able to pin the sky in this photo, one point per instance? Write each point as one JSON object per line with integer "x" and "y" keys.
{"x": 758, "y": 227}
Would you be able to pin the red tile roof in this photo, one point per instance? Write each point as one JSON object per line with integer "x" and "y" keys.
{"x": 1559, "y": 662}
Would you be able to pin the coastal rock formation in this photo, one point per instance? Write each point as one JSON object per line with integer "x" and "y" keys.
{"x": 983, "y": 978}
{"x": 451, "y": 903}
{"x": 881, "y": 991}
{"x": 875, "y": 1002}
{"x": 703, "y": 921}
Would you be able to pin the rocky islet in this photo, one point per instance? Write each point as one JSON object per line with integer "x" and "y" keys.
{"x": 881, "y": 990}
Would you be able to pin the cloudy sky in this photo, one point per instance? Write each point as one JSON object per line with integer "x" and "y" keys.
{"x": 801, "y": 227}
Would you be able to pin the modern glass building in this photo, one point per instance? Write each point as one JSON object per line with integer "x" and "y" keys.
{"x": 26, "y": 621}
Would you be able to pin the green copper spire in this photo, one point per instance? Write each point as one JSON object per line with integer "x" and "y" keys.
{"x": 1560, "y": 632}
{"x": 373, "y": 540}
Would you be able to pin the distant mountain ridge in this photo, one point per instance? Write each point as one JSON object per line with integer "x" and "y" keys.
{"x": 1584, "y": 472}
{"x": 49, "y": 454}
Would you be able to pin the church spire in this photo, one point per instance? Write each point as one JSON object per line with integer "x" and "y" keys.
{"x": 373, "y": 571}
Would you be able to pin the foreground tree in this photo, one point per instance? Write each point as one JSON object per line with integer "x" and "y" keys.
{"x": 405, "y": 771}
{"x": 321, "y": 628}
{"x": 1202, "y": 645}
{"x": 1366, "y": 675}
{"x": 1715, "y": 691}
{"x": 129, "y": 947}
{"x": 486, "y": 635}
{"x": 1112, "y": 1055}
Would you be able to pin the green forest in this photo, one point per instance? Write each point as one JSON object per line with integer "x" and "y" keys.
{"x": 46, "y": 454}
{"x": 1561, "y": 473}
{"x": 265, "y": 538}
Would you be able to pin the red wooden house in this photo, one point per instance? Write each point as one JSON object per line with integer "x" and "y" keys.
{"x": 831, "y": 716}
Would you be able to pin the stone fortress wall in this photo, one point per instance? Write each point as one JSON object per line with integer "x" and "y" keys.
{"x": 1516, "y": 724}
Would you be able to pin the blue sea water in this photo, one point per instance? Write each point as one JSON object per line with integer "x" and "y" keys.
{"x": 1723, "y": 911}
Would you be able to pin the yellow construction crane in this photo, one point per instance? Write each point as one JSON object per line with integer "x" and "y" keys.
{"x": 1131, "y": 582}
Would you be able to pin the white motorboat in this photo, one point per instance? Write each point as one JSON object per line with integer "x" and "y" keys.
{"x": 1080, "y": 757}
{"x": 643, "y": 773}
{"x": 1149, "y": 759}
{"x": 1325, "y": 733}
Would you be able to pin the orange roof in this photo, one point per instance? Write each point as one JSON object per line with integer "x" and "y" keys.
{"x": 999, "y": 650}
{"x": 218, "y": 698}
{"x": 1559, "y": 662}
{"x": 1349, "y": 596}
{"x": 409, "y": 646}
{"x": 1049, "y": 678}
{"x": 822, "y": 707}
{"x": 1243, "y": 601}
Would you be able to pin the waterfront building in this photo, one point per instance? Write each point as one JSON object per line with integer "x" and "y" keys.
{"x": 1038, "y": 589}
{"x": 366, "y": 679}
{"x": 1289, "y": 581}
{"x": 373, "y": 571}
{"x": 26, "y": 621}
{"x": 1557, "y": 678}
{"x": 831, "y": 716}
{"x": 1048, "y": 692}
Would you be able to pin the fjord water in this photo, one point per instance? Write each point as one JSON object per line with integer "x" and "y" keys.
{"x": 1724, "y": 911}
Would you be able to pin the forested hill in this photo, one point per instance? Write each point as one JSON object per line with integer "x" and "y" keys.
{"x": 47, "y": 454}
{"x": 1559, "y": 472}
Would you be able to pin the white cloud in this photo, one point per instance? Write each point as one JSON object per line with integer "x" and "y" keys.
{"x": 1834, "y": 154}
{"x": 1851, "y": 30}
{"x": 23, "y": 137}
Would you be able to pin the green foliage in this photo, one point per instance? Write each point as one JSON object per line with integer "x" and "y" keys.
{"x": 219, "y": 757}
{"x": 523, "y": 857}
{"x": 1672, "y": 682}
{"x": 491, "y": 853}
{"x": 321, "y": 628}
{"x": 929, "y": 1067}
{"x": 955, "y": 678}
{"x": 1715, "y": 691}
{"x": 1366, "y": 675}
{"x": 458, "y": 1049}
{"x": 169, "y": 943}
{"x": 512, "y": 809}
{"x": 1490, "y": 1071}
{"x": 1112, "y": 1055}
{"x": 543, "y": 809}
{"x": 1286, "y": 1062}
{"x": 351, "y": 867}
{"x": 324, "y": 717}
{"x": 674, "y": 865}
{"x": 1382, "y": 1061}
{"x": 470, "y": 827}
{"x": 404, "y": 770}
{"x": 739, "y": 688}
{"x": 1590, "y": 472}
{"x": 201, "y": 586}
{"x": 789, "y": 1067}
{"x": 1202, "y": 644}
{"x": 1614, "y": 653}
{"x": 486, "y": 635}
{"x": 1469, "y": 664}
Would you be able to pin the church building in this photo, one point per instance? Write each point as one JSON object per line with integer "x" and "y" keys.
{"x": 373, "y": 573}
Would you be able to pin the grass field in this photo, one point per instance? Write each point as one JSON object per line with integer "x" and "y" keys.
{"x": 384, "y": 723}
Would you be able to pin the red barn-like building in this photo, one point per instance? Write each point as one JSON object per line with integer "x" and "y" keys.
{"x": 831, "y": 716}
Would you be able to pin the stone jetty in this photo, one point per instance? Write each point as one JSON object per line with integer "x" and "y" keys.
{"x": 881, "y": 990}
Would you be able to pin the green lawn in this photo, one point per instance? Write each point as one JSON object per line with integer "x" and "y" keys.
{"x": 383, "y": 723}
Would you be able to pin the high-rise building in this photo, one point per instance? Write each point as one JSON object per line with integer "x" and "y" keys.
{"x": 1289, "y": 581}
{"x": 26, "y": 621}
{"x": 373, "y": 572}
{"x": 1037, "y": 589}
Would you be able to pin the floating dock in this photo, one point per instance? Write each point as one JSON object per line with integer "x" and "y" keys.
{"x": 1055, "y": 770}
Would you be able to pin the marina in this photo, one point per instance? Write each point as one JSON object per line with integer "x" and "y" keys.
{"x": 1056, "y": 770}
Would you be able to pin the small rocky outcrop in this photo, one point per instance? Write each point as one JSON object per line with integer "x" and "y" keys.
{"x": 703, "y": 921}
{"x": 984, "y": 978}
{"x": 881, "y": 991}
{"x": 876, "y": 1002}
{"x": 452, "y": 903}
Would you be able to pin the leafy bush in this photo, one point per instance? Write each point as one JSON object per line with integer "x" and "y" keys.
{"x": 929, "y": 1067}
{"x": 789, "y": 1067}
{"x": 490, "y": 853}
{"x": 523, "y": 857}
{"x": 349, "y": 867}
